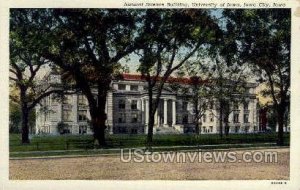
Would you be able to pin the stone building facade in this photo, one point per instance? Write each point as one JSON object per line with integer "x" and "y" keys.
{"x": 127, "y": 111}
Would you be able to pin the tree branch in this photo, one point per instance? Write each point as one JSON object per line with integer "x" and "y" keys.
{"x": 39, "y": 98}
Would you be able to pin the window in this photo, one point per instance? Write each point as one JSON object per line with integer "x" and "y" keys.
{"x": 145, "y": 88}
{"x": 185, "y": 119}
{"x": 66, "y": 100}
{"x": 134, "y": 104}
{"x": 211, "y": 116}
{"x": 134, "y": 87}
{"x": 226, "y": 118}
{"x": 246, "y": 118}
{"x": 122, "y": 104}
{"x": 204, "y": 130}
{"x": 67, "y": 129}
{"x": 67, "y": 115}
{"x": 211, "y": 128}
{"x": 133, "y": 131}
{"x": 82, "y": 115}
{"x": 54, "y": 100}
{"x": 211, "y": 105}
{"x": 48, "y": 116}
{"x": 122, "y": 130}
{"x": 121, "y": 87}
{"x": 204, "y": 105}
{"x": 235, "y": 105}
{"x": 48, "y": 100}
{"x": 134, "y": 118}
{"x": 96, "y": 99}
{"x": 184, "y": 106}
{"x": 248, "y": 90}
{"x": 247, "y": 129}
{"x": 122, "y": 118}
{"x": 246, "y": 105}
{"x": 237, "y": 129}
{"x": 82, "y": 129}
{"x": 81, "y": 100}
{"x": 204, "y": 118}
{"x": 236, "y": 118}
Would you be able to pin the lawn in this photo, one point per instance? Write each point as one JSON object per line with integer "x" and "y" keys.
{"x": 85, "y": 142}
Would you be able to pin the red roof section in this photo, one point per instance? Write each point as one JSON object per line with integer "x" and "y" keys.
{"x": 182, "y": 80}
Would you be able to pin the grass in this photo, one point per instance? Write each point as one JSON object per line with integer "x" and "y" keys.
{"x": 85, "y": 142}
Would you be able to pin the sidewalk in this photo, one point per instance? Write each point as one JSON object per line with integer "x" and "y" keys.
{"x": 116, "y": 151}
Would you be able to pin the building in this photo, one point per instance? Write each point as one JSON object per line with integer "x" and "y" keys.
{"x": 127, "y": 111}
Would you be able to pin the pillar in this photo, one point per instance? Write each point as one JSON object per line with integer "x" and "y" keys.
{"x": 75, "y": 126}
{"x": 147, "y": 112}
{"x": 173, "y": 112}
{"x": 142, "y": 111}
{"x": 155, "y": 118}
{"x": 158, "y": 115}
{"x": 165, "y": 111}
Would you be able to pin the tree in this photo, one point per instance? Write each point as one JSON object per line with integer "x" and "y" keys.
{"x": 88, "y": 44}
{"x": 263, "y": 40}
{"x": 14, "y": 117}
{"x": 26, "y": 62}
{"x": 228, "y": 87}
{"x": 199, "y": 100}
{"x": 196, "y": 91}
{"x": 170, "y": 38}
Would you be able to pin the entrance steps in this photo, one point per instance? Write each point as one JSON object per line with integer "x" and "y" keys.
{"x": 166, "y": 130}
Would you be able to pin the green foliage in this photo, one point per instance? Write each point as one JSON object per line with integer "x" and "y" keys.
{"x": 263, "y": 42}
{"x": 14, "y": 117}
{"x": 27, "y": 42}
{"x": 263, "y": 39}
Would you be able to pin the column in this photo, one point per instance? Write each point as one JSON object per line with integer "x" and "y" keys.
{"x": 75, "y": 126}
{"x": 75, "y": 108}
{"x": 165, "y": 111}
{"x": 255, "y": 113}
{"x": 158, "y": 115}
{"x": 155, "y": 118}
{"x": 173, "y": 112}
{"x": 142, "y": 111}
{"x": 110, "y": 112}
{"x": 146, "y": 116}
{"x": 241, "y": 118}
{"x": 250, "y": 111}
{"x": 147, "y": 112}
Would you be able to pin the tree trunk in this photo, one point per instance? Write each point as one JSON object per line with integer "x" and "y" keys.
{"x": 226, "y": 129}
{"x": 151, "y": 110}
{"x": 150, "y": 130}
{"x": 280, "y": 119}
{"x": 25, "y": 115}
{"x": 226, "y": 125}
{"x": 98, "y": 123}
{"x": 221, "y": 119}
{"x": 25, "y": 127}
{"x": 98, "y": 114}
{"x": 197, "y": 115}
{"x": 197, "y": 131}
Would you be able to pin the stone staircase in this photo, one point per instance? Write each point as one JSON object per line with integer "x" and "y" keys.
{"x": 166, "y": 130}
